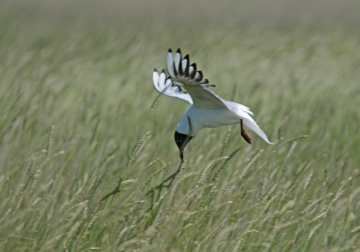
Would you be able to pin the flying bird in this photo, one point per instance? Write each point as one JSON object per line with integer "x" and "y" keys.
{"x": 207, "y": 109}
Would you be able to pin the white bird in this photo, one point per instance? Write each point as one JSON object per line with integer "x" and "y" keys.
{"x": 207, "y": 109}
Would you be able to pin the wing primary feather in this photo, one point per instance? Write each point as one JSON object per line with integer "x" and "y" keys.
{"x": 169, "y": 62}
{"x": 208, "y": 85}
{"x": 162, "y": 78}
{"x": 167, "y": 81}
{"x": 193, "y": 72}
{"x": 204, "y": 81}
{"x": 158, "y": 96}
{"x": 186, "y": 69}
{"x": 175, "y": 72}
{"x": 181, "y": 72}
{"x": 177, "y": 60}
{"x": 166, "y": 85}
{"x": 156, "y": 80}
{"x": 198, "y": 76}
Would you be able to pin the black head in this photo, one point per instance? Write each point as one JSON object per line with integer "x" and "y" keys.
{"x": 181, "y": 141}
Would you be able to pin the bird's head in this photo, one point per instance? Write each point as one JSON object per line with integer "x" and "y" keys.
{"x": 181, "y": 141}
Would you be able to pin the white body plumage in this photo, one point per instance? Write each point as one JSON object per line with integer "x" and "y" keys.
{"x": 217, "y": 117}
{"x": 207, "y": 109}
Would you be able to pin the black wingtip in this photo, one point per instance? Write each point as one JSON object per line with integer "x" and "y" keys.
{"x": 178, "y": 51}
{"x": 163, "y": 71}
{"x": 169, "y": 78}
{"x": 187, "y": 57}
{"x": 170, "y": 50}
{"x": 200, "y": 77}
{"x": 155, "y": 70}
{"x": 192, "y": 75}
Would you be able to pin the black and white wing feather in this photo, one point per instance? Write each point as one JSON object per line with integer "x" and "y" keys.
{"x": 186, "y": 75}
{"x": 167, "y": 87}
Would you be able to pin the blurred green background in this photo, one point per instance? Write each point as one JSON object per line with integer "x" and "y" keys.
{"x": 80, "y": 145}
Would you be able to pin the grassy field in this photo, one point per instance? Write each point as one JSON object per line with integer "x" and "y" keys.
{"x": 80, "y": 145}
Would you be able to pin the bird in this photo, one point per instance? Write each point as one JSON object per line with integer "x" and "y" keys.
{"x": 207, "y": 109}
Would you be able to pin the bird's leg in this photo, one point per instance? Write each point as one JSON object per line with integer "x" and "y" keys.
{"x": 243, "y": 133}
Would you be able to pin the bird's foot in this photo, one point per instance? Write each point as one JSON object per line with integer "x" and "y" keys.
{"x": 245, "y": 136}
{"x": 243, "y": 133}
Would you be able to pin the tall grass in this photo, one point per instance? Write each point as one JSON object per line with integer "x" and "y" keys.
{"x": 81, "y": 147}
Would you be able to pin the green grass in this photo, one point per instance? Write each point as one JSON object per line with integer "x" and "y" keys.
{"x": 80, "y": 145}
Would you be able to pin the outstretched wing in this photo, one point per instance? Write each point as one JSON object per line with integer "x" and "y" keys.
{"x": 186, "y": 75}
{"x": 166, "y": 86}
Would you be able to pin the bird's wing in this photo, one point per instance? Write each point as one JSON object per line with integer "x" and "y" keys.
{"x": 186, "y": 75}
{"x": 166, "y": 86}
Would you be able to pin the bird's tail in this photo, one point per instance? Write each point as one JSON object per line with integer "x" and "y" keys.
{"x": 251, "y": 124}
{"x": 244, "y": 112}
